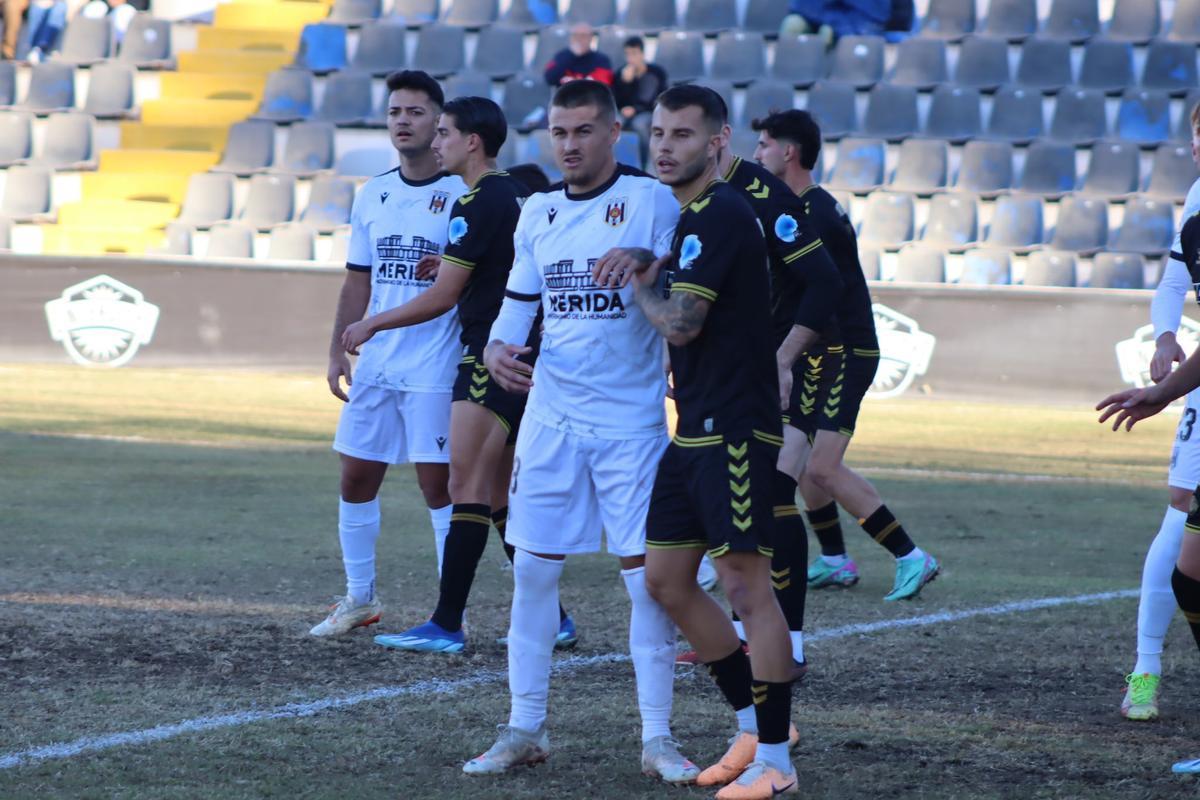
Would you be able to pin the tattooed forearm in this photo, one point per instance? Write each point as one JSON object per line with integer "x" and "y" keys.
{"x": 679, "y": 318}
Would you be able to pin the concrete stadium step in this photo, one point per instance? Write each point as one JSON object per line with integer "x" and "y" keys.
{"x": 214, "y": 112}
{"x": 154, "y": 187}
{"x": 284, "y": 15}
{"x": 254, "y": 39}
{"x": 240, "y": 62}
{"x": 210, "y": 86}
{"x": 205, "y": 138}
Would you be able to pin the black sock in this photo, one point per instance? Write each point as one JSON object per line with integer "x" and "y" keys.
{"x": 500, "y": 520}
{"x": 828, "y": 527}
{"x": 887, "y": 530}
{"x": 772, "y": 710}
{"x": 733, "y": 677}
{"x": 469, "y": 523}
{"x": 789, "y": 563}
{"x": 1187, "y": 595}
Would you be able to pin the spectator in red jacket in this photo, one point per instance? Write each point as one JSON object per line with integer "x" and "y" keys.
{"x": 579, "y": 60}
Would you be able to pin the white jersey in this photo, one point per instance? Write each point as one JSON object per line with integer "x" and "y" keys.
{"x": 1166, "y": 310}
{"x": 599, "y": 372}
{"x": 394, "y": 223}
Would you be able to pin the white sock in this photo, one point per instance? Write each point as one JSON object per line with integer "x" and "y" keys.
{"x": 914, "y": 555}
{"x": 797, "y": 645}
{"x": 358, "y": 528}
{"x": 1157, "y": 604}
{"x": 440, "y": 518}
{"x": 835, "y": 561}
{"x": 774, "y": 755}
{"x": 531, "y": 631}
{"x": 740, "y": 627}
{"x": 652, "y": 646}
{"x": 747, "y": 720}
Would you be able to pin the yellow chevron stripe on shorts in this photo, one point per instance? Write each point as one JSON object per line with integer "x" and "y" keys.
{"x": 697, "y": 441}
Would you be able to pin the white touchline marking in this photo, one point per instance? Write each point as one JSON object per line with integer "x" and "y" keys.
{"x": 92, "y": 744}
{"x": 1000, "y": 477}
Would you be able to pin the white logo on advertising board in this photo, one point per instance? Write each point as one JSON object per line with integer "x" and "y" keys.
{"x": 904, "y": 352}
{"x": 101, "y": 322}
{"x": 1135, "y": 353}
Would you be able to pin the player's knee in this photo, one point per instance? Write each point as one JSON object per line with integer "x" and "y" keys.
{"x": 822, "y": 475}
{"x": 1181, "y": 499}
{"x": 466, "y": 488}
{"x": 434, "y": 489}
{"x": 359, "y": 485}
{"x": 665, "y": 591}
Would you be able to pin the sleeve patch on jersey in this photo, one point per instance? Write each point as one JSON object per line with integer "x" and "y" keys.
{"x": 689, "y": 251}
{"x": 786, "y": 228}
{"x": 458, "y": 229}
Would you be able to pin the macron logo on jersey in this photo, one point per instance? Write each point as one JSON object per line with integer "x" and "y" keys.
{"x": 551, "y": 213}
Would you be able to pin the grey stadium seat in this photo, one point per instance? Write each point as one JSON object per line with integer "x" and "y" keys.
{"x": 954, "y": 114}
{"x": 858, "y": 60}
{"x": 270, "y": 201}
{"x": 763, "y": 97}
{"x": 179, "y": 240}
{"x": 1073, "y": 20}
{"x": 1170, "y": 66}
{"x": 68, "y": 141}
{"x": 725, "y": 89}
{"x": 309, "y": 148}
{"x": 801, "y": 60}
{"x": 26, "y": 193}
{"x": 1136, "y": 21}
{"x": 440, "y": 50}
{"x": 339, "y": 250}
{"x": 287, "y": 97}
{"x": 1082, "y": 224}
{"x": 51, "y": 87}
{"x": 1049, "y": 169}
{"x": 743, "y": 144}
{"x": 1172, "y": 172}
{"x": 765, "y": 16}
{"x": 889, "y": 219}
{"x": 413, "y": 13}
{"x": 923, "y": 166}
{"x": 1185, "y": 22}
{"x": 1050, "y": 268}
{"x": 510, "y": 151}
{"x": 467, "y": 84}
{"x": 230, "y": 240}
{"x": 520, "y": 15}
{"x": 681, "y": 54}
{"x": 381, "y": 49}
{"x": 920, "y": 63}
{"x": 499, "y": 51}
{"x": 710, "y": 16}
{"x": 1011, "y": 19}
{"x": 949, "y": 19}
{"x": 868, "y": 259}
{"x": 16, "y": 137}
{"x": 147, "y": 42}
{"x": 539, "y": 150}
{"x": 739, "y": 57}
{"x": 86, "y": 40}
{"x": 355, "y": 12}
{"x": 8, "y": 83}
{"x": 651, "y": 15}
{"x": 986, "y": 169}
{"x": 953, "y": 220}
{"x": 1016, "y": 222}
{"x": 1148, "y": 227}
{"x": 859, "y": 166}
{"x": 250, "y": 147}
{"x": 110, "y": 91}
{"x": 551, "y": 39}
{"x": 832, "y": 106}
{"x": 1118, "y": 271}
{"x": 593, "y": 12}
{"x": 982, "y": 63}
{"x": 363, "y": 162}
{"x": 986, "y": 266}
{"x": 291, "y": 241}
{"x": 1107, "y": 66}
{"x": 524, "y": 94}
{"x": 471, "y": 13}
{"x": 611, "y": 42}
{"x": 209, "y": 200}
{"x": 347, "y": 99}
{"x": 891, "y": 112}
{"x": 1113, "y": 170}
{"x": 1016, "y": 115}
{"x": 919, "y": 264}
{"x": 1045, "y": 64}
{"x": 1079, "y": 117}
{"x": 1144, "y": 116}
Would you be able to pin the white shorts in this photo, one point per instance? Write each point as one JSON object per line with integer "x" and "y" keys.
{"x": 566, "y": 489}
{"x": 395, "y": 427}
{"x": 1185, "y": 455}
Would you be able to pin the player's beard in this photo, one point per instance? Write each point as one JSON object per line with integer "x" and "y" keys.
{"x": 690, "y": 170}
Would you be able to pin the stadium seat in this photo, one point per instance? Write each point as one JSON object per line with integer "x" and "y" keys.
{"x": 178, "y": 240}
{"x": 832, "y": 106}
{"x": 982, "y": 63}
{"x": 1118, "y": 271}
{"x": 510, "y": 151}
{"x": 743, "y": 144}
{"x": 1185, "y": 22}
{"x": 270, "y": 201}
{"x": 858, "y": 60}
{"x": 529, "y": 19}
{"x": 1144, "y": 116}
{"x": 949, "y": 19}
{"x": 1079, "y": 117}
{"x": 230, "y": 240}
{"x": 1049, "y": 169}
{"x": 891, "y": 112}
{"x": 801, "y": 60}
{"x": 381, "y": 49}
{"x": 1016, "y": 222}
{"x": 147, "y": 43}
{"x": 1148, "y": 227}
{"x": 8, "y": 83}
{"x": 279, "y": 15}
{"x": 551, "y": 39}
{"x": 347, "y": 99}
{"x": 110, "y": 91}
{"x": 329, "y": 203}
{"x": 725, "y": 89}
{"x": 954, "y": 114}
{"x": 26, "y": 193}
{"x": 611, "y": 42}
{"x": 920, "y": 63}
{"x": 1045, "y": 64}
{"x": 651, "y": 15}
{"x": 413, "y": 13}
{"x": 467, "y": 84}
{"x": 539, "y": 150}
{"x": 986, "y": 266}
{"x": 1011, "y": 19}
{"x": 499, "y": 52}
{"x": 710, "y": 16}
{"x": 209, "y": 200}
{"x": 1136, "y": 21}
{"x": 1113, "y": 170}
{"x": 249, "y": 148}
{"x": 868, "y": 259}
{"x": 288, "y": 96}
{"x": 1050, "y": 268}
{"x": 322, "y": 47}
{"x": 85, "y": 40}
{"x": 681, "y": 54}
{"x": 986, "y": 168}
{"x": 16, "y": 137}
{"x": 68, "y": 141}
{"x": 339, "y": 250}
{"x": 1073, "y": 20}
{"x": 922, "y": 167}
{"x": 594, "y": 12}
{"x": 309, "y": 148}
{"x": 627, "y": 150}
{"x": 889, "y": 219}
{"x": 471, "y": 14}
{"x": 1172, "y": 172}
{"x": 765, "y": 96}
{"x": 355, "y": 13}
{"x": 440, "y": 50}
{"x": 292, "y": 241}
{"x": 859, "y": 165}
{"x": 1170, "y": 66}
{"x": 953, "y": 221}
{"x": 1107, "y": 66}
{"x": 1082, "y": 224}
{"x": 523, "y": 95}
{"x": 364, "y": 162}
{"x": 919, "y": 264}
{"x": 765, "y": 16}
{"x": 1016, "y": 115}
{"x": 51, "y": 87}
{"x": 5, "y": 233}
{"x": 739, "y": 57}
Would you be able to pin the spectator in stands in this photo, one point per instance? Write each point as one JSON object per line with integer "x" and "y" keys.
{"x": 46, "y": 19}
{"x": 119, "y": 13}
{"x": 832, "y": 19}
{"x": 579, "y": 60}
{"x": 12, "y": 12}
{"x": 638, "y": 85}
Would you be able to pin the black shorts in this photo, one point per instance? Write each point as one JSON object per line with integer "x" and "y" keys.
{"x": 474, "y": 384}
{"x": 715, "y": 493}
{"x": 829, "y": 388}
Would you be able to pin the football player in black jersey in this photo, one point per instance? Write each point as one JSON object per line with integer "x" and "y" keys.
{"x": 826, "y": 400}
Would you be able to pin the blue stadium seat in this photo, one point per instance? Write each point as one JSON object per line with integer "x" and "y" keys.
{"x": 1045, "y": 64}
{"x": 949, "y": 19}
{"x": 1016, "y": 115}
{"x": 982, "y": 63}
{"x": 920, "y": 63}
{"x": 1049, "y": 169}
{"x": 710, "y": 16}
{"x": 920, "y": 264}
{"x": 889, "y": 219}
{"x": 309, "y": 149}
{"x": 525, "y": 94}
{"x": 765, "y": 16}
{"x": 953, "y": 221}
{"x": 1185, "y": 22}
{"x": 51, "y": 88}
{"x": 288, "y": 96}
{"x": 86, "y": 40}
{"x": 593, "y": 12}
{"x": 802, "y": 60}
{"x": 1016, "y": 222}
{"x": 355, "y": 13}
{"x": 651, "y": 15}
{"x": 681, "y": 54}
{"x": 440, "y": 50}
{"x": 1118, "y": 271}
{"x": 1079, "y": 117}
{"x": 1107, "y": 66}
{"x": 230, "y": 240}
{"x": 413, "y": 13}
{"x": 110, "y": 91}
{"x": 1136, "y": 21}
{"x": 499, "y": 52}
{"x": 1147, "y": 228}
{"x": 1172, "y": 172}
{"x": 26, "y": 193}
{"x": 1082, "y": 224}
{"x": 986, "y": 266}
{"x": 891, "y": 112}
{"x": 858, "y": 60}
{"x": 1073, "y": 20}
{"x": 381, "y": 49}
{"x": 531, "y": 15}
{"x": 765, "y": 96}
{"x": 859, "y": 166}
{"x": 1011, "y": 19}
{"x": 8, "y": 83}
{"x": 347, "y": 99}
{"x": 147, "y": 43}
{"x": 1050, "y": 268}
{"x": 1113, "y": 170}
{"x": 954, "y": 114}
{"x": 471, "y": 14}
{"x": 551, "y": 39}
{"x": 986, "y": 168}
{"x": 739, "y": 57}
{"x": 322, "y": 47}
{"x": 832, "y": 106}
{"x": 1170, "y": 66}
{"x": 67, "y": 144}
{"x": 467, "y": 84}
{"x": 1144, "y": 116}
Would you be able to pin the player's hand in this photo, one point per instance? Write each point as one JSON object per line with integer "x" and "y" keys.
{"x": 1167, "y": 352}
{"x": 355, "y": 334}
{"x": 512, "y": 375}
{"x": 427, "y": 267}
{"x": 646, "y": 275}
{"x": 1131, "y": 406}
{"x": 785, "y": 386}
{"x": 616, "y": 267}
{"x": 339, "y": 367}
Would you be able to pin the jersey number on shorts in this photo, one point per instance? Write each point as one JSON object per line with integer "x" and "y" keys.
{"x": 1185, "y": 428}
{"x": 512, "y": 489}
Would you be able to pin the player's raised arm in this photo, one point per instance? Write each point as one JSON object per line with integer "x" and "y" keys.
{"x": 430, "y": 304}
{"x": 678, "y": 317}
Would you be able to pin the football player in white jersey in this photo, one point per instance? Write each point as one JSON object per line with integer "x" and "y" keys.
{"x": 594, "y": 426}
{"x": 398, "y": 399}
{"x": 1157, "y": 603}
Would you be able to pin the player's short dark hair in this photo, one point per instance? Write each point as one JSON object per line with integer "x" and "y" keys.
{"x": 531, "y": 176}
{"x": 635, "y": 41}
{"x": 711, "y": 104}
{"x": 797, "y": 127}
{"x": 482, "y": 117}
{"x": 577, "y": 94}
{"x": 417, "y": 81}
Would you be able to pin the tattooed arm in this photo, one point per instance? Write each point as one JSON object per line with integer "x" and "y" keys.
{"x": 680, "y": 317}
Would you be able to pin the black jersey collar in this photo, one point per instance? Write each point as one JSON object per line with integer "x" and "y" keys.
{"x": 733, "y": 165}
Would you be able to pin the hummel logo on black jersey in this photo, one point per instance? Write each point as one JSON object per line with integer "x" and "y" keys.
{"x": 551, "y": 214}
{"x": 383, "y": 196}
{"x": 441, "y": 440}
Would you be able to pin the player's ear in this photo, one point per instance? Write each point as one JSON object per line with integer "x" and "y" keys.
{"x": 726, "y": 134}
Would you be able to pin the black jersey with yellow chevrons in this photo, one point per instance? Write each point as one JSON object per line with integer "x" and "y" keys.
{"x": 856, "y": 321}
{"x": 725, "y": 379}
{"x": 805, "y": 284}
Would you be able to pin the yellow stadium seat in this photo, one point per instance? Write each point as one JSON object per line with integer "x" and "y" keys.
{"x": 111, "y": 213}
{"x": 253, "y": 39}
{"x": 210, "y": 86}
{"x": 241, "y": 62}
{"x": 156, "y": 187}
{"x": 283, "y": 15}
{"x": 181, "y": 112}
{"x": 137, "y": 135}
{"x": 178, "y": 162}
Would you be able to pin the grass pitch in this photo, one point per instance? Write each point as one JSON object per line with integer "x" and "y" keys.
{"x": 169, "y": 536}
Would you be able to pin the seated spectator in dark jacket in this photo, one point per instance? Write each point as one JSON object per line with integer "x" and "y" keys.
{"x": 638, "y": 85}
{"x": 579, "y": 60}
